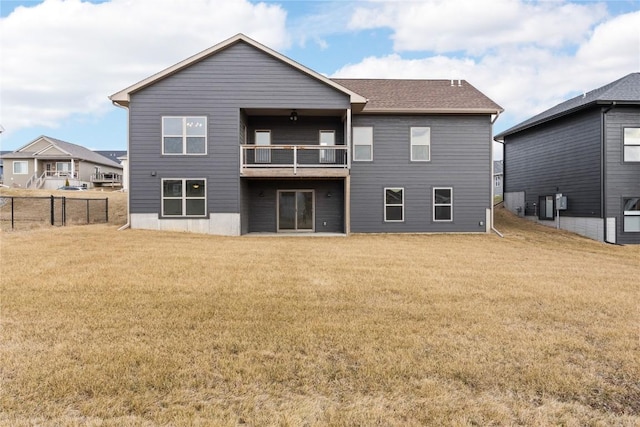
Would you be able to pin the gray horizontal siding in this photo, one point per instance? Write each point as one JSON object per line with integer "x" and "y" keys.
{"x": 217, "y": 87}
{"x": 306, "y": 130}
{"x": 559, "y": 157}
{"x": 460, "y": 158}
{"x": 621, "y": 179}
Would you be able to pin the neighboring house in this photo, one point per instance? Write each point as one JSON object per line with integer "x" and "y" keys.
{"x": 498, "y": 177}
{"x": 49, "y": 163}
{"x": 2, "y": 153}
{"x": 240, "y": 139}
{"x": 588, "y": 150}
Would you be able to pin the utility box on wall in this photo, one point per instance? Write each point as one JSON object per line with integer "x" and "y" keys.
{"x": 561, "y": 202}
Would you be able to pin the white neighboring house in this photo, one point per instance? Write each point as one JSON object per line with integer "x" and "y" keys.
{"x": 50, "y": 163}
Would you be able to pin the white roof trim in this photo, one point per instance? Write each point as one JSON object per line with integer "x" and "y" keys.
{"x": 123, "y": 97}
{"x": 52, "y": 145}
{"x": 38, "y": 139}
{"x": 432, "y": 110}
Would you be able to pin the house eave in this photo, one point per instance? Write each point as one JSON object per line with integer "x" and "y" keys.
{"x": 410, "y": 111}
{"x": 597, "y": 103}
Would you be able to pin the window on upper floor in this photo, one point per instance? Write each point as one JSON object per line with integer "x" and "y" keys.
{"x": 327, "y": 137}
{"x": 184, "y": 135}
{"x": 362, "y": 144}
{"x": 497, "y": 181}
{"x": 631, "y": 144}
{"x": 184, "y": 197}
{"x": 443, "y": 204}
{"x": 420, "y": 144}
{"x": 631, "y": 215}
{"x": 20, "y": 167}
{"x": 394, "y": 204}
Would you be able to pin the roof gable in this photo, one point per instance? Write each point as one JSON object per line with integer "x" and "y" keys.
{"x": 122, "y": 97}
{"x": 625, "y": 90}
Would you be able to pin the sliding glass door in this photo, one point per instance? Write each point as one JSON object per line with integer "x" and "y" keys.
{"x": 295, "y": 210}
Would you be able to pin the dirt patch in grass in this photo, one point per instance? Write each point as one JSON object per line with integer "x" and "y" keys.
{"x": 101, "y": 327}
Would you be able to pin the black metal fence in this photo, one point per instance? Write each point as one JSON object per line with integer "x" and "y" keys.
{"x": 28, "y": 212}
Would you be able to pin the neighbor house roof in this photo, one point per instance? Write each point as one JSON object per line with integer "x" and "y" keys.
{"x": 624, "y": 91}
{"x": 122, "y": 97}
{"x": 114, "y": 155}
{"x": 420, "y": 96}
{"x": 72, "y": 151}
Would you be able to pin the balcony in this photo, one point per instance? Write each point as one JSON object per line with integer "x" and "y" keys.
{"x": 107, "y": 179}
{"x": 294, "y": 160}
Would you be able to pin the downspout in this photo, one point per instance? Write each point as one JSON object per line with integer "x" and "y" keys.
{"x": 128, "y": 224}
{"x": 492, "y": 181}
{"x": 603, "y": 151}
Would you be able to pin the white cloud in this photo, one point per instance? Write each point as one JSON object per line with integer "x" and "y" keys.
{"x": 475, "y": 27}
{"x": 526, "y": 75}
{"x": 65, "y": 57}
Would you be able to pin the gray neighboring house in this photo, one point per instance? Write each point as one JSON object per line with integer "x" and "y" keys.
{"x": 240, "y": 139}
{"x": 48, "y": 163}
{"x": 588, "y": 150}
{"x": 498, "y": 177}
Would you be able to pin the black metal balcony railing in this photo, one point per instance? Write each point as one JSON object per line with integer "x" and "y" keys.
{"x": 294, "y": 156}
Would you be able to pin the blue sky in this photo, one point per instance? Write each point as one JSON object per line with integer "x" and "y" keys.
{"x": 61, "y": 59}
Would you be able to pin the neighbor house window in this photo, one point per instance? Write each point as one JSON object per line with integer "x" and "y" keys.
{"x": 420, "y": 144}
{"x": 362, "y": 144}
{"x": 632, "y": 144}
{"x": 632, "y": 215}
{"x": 20, "y": 168}
{"x": 394, "y": 204}
{"x": 443, "y": 204}
{"x": 184, "y": 197}
{"x": 184, "y": 135}
{"x": 498, "y": 181}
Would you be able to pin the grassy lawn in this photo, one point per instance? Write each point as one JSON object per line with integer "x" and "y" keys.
{"x": 108, "y": 328}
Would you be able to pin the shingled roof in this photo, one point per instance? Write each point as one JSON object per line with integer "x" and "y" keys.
{"x": 624, "y": 91}
{"x": 420, "y": 96}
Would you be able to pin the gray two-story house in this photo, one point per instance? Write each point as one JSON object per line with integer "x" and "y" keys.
{"x": 586, "y": 149}
{"x": 241, "y": 139}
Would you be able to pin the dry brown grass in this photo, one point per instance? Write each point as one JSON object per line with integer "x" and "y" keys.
{"x": 146, "y": 328}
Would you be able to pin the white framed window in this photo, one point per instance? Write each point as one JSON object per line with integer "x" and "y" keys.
{"x": 631, "y": 145}
{"x": 631, "y": 215}
{"x": 262, "y": 142}
{"x": 184, "y": 197}
{"x": 443, "y": 204}
{"x": 328, "y": 137}
{"x": 498, "y": 181}
{"x": 20, "y": 167}
{"x": 362, "y": 144}
{"x": 184, "y": 135}
{"x": 420, "y": 144}
{"x": 394, "y": 204}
